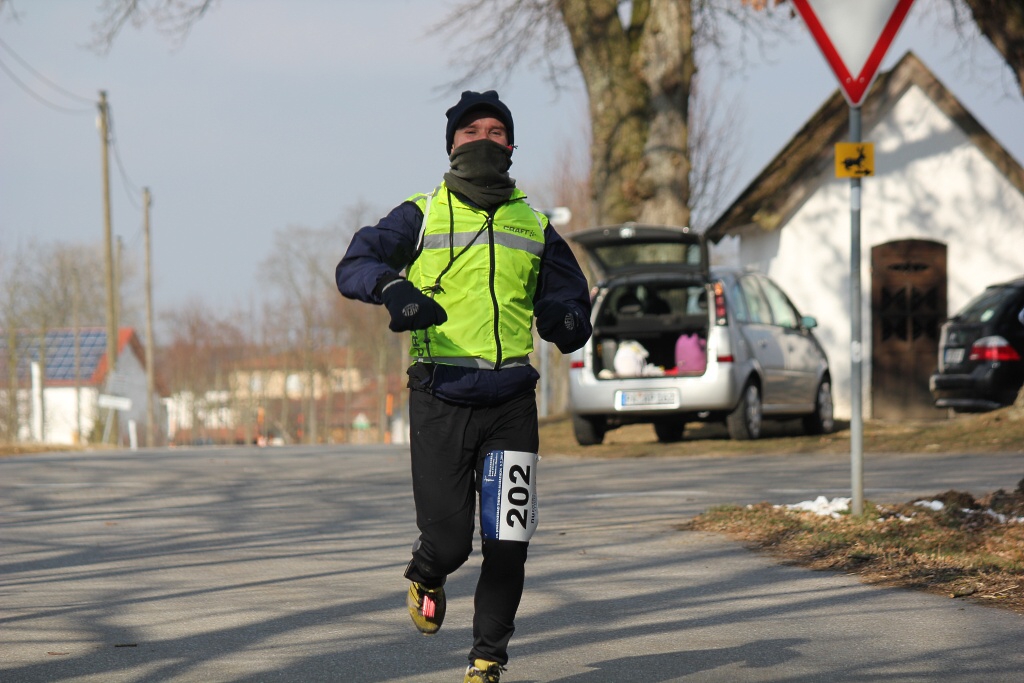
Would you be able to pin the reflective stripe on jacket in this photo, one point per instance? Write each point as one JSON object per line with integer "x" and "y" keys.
{"x": 483, "y": 270}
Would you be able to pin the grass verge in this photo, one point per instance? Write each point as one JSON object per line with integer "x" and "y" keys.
{"x": 996, "y": 431}
{"x": 952, "y": 544}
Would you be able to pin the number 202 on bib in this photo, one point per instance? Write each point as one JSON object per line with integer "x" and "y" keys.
{"x": 508, "y": 496}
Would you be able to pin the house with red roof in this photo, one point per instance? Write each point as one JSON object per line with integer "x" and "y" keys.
{"x": 58, "y": 380}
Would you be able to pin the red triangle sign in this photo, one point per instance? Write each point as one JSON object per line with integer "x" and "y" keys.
{"x": 854, "y": 37}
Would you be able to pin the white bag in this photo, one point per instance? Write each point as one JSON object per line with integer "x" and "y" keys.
{"x": 630, "y": 359}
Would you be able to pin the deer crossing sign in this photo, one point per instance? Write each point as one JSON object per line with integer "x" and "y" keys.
{"x": 855, "y": 159}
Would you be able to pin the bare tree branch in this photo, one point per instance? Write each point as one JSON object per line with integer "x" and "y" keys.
{"x": 514, "y": 33}
{"x": 173, "y": 18}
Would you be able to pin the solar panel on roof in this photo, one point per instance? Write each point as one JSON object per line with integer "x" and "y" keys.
{"x": 60, "y": 353}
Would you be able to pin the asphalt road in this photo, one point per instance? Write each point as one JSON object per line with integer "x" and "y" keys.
{"x": 286, "y": 564}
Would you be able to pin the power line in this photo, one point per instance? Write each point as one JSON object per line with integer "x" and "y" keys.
{"x": 36, "y": 95}
{"x": 130, "y": 188}
{"x": 43, "y": 78}
{"x": 28, "y": 89}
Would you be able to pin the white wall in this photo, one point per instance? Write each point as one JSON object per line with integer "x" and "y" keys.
{"x": 131, "y": 373}
{"x": 930, "y": 182}
{"x": 62, "y": 414}
{"x": 62, "y": 411}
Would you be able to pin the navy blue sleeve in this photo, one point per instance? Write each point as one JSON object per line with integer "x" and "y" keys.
{"x": 378, "y": 253}
{"x": 562, "y": 279}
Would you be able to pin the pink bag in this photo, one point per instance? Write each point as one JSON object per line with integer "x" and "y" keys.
{"x": 691, "y": 355}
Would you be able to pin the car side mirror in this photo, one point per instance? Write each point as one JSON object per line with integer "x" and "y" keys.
{"x": 809, "y": 322}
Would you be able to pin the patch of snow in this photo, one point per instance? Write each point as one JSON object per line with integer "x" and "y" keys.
{"x": 822, "y": 506}
{"x": 937, "y": 505}
{"x": 832, "y": 508}
{"x": 895, "y": 518}
{"x": 1003, "y": 519}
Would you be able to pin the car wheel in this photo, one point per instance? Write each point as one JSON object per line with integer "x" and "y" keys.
{"x": 589, "y": 430}
{"x": 669, "y": 429}
{"x": 821, "y": 421}
{"x": 744, "y": 422}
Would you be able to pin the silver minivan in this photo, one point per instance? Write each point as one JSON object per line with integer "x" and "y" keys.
{"x": 676, "y": 341}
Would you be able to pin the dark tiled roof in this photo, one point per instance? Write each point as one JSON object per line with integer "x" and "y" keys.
{"x": 60, "y": 354}
{"x": 792, "y": 176}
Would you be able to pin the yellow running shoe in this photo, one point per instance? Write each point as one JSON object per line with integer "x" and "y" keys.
{"x": 483, "y": 671}
{"x": 426, "y": 607}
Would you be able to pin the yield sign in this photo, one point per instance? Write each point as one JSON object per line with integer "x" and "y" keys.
{"x": 854, "y": 37}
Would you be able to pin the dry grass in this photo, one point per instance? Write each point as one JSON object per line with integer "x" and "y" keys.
{"x": 24, "y": 449}
{"x": 997, "y": 431}
{"x": 964, "y": 550}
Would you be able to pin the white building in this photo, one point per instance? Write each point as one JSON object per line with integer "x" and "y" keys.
{"x": 64, "y": 408}
{"x": 942, "y": 217}
{"x": 263, "y": 393}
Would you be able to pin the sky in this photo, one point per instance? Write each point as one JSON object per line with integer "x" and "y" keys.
{"x": 273, "y": 114}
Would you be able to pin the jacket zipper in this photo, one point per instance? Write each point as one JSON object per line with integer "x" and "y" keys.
{"x": 494, "y": 297}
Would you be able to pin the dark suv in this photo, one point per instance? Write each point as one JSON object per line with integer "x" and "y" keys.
{"x": 980, "y": 352}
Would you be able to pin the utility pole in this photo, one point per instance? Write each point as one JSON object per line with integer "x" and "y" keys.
{"x": 118, "y": 276}
{"x": 150, "y": 380}
{"x": 108, "y": 242}
{"x": 75, "y": 302}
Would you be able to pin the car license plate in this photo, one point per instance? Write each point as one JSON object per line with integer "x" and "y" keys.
{"x": 954, "y": 356}
{"x": 664, "y": 398}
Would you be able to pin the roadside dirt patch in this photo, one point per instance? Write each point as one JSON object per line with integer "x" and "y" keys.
{"x": 950, "y": 544}
{"x": 997, "y": 431}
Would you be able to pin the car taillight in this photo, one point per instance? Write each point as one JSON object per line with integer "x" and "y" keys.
{"x": 993, "y": 349}
{"x": 576, "y": 365}
{"x": 720, "y": 318}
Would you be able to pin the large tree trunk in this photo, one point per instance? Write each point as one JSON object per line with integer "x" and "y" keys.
{"x": 666, "y": 65}
{"x": 638, "y": 81}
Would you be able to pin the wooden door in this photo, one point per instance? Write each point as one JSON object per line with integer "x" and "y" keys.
{"x": 908, "y": 306}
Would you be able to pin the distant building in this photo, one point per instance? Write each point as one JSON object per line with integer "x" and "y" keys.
{"x": 60, "y": 377}
{"x": 942, "y": 218}
{"x": 271, "y": 398}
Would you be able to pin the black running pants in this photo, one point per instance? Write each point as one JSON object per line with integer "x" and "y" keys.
{"x": 448, "y": 446}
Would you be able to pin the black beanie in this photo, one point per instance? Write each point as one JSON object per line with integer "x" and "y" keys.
{"x": 475, "y": 100}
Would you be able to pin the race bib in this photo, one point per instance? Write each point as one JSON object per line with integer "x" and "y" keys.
{"x": 508, "y": 496}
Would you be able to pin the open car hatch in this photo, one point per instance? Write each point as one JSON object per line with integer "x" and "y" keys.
{"x": 632, "y": 248}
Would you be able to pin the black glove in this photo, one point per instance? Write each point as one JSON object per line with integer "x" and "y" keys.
{"x": 410, "y": 308}
{"x": 556, "y": 322}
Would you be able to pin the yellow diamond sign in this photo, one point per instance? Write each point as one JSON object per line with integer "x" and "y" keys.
{"x": 855, "y": 159}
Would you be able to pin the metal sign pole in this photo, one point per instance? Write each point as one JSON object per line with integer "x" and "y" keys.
{"x": 865, "y": 31}
{"x": 856, "y": 350}
{"x": 545, "y": 379}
